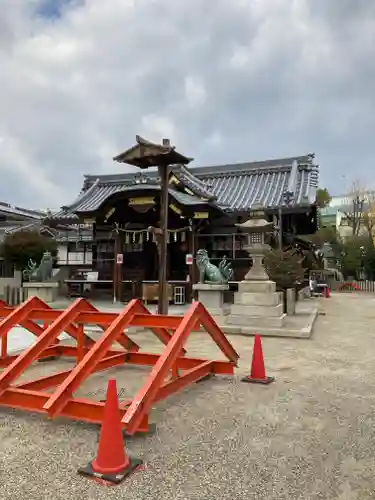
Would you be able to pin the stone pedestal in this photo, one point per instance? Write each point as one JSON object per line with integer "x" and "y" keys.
{"x": 257, "y": 271}
{"x": 212, "y": 297}
{"x": 46, "y": 291}
{"x": 291, "y": 301}
{"x": 257, "y": 308}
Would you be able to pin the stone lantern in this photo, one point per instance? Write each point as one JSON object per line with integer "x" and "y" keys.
{"x": 256, "y": 228}
{"x": 257, "y": 307}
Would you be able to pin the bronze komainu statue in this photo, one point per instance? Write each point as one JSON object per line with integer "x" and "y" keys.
{"x": 40, "y": 273}
{"x": 211, "y": 274}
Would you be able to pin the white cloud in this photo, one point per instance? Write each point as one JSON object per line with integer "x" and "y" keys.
{"x": 240, "y": 57}
{"x": 16, "y": 159}
{"x": 156, "y": 127}
{"x": 273, "y": 78}
{"x": 195, "y": 91}
{"x": 215, "y": 139}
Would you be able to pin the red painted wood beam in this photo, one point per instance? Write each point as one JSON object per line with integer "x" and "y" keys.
{"x": 84, "y": 368}
{"x": 50, "y": 334}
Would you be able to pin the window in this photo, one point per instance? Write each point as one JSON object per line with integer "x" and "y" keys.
{"x": 6, "y": 270}
{"x": 77, "y": 246}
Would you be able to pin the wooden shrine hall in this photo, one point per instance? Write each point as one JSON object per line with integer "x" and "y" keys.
{"x": 204, "y": 204}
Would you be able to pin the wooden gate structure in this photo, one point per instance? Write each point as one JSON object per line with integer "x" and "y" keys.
{"x": 172, "y": 370}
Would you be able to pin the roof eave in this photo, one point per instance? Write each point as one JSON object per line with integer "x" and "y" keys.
{"x": 164, "y": 158}
{"x": 145, "y": 154}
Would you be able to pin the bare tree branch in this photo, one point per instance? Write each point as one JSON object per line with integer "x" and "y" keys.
{"x": 363, "y": 209}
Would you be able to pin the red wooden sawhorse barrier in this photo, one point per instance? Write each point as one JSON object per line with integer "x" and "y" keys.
{"x": 94, "y": 356}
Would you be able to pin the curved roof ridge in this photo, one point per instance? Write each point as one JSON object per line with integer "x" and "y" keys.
{"x": 193, "y": 182}
{"x": 82, "y": 196}
{"x": 235, "y": 168}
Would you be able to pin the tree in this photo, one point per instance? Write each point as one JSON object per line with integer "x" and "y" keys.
{"x": 322, "y": 200}
{"x": 351, "y": 258}
{"x": 323, "y": 235}
{"x": 358, "y": 254}
{"x": 322, "y": 197}
{"x": 369, "y": 215}
{"x": 284, "y": 267}
{"x": 362, "y": 210}
{"x": 19, "y": 247}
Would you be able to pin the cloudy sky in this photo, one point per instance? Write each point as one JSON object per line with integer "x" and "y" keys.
{"x": 225, "y": 80}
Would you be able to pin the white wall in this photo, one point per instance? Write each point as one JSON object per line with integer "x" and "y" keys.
{"x": 66, "y": 258}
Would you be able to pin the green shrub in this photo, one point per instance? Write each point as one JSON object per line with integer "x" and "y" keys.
{"x": 284, "y": 267}
{"x": 19, "y": 247}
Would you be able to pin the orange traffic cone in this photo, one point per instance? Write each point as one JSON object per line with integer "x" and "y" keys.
{"x": 258, "y": 371}
{"x": 112, "y": 465}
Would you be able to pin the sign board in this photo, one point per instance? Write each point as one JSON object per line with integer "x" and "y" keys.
{"x": 189, "y": 259}
{"x": 92, "y": 275}
{"x": 119, "y": 258}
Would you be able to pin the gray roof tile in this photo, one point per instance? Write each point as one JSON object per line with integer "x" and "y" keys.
{"x": 234, "y": 186}
{"x": 93, "y": 198}
{"x": 192, "y": 182}
{"x": 23, "y": 212}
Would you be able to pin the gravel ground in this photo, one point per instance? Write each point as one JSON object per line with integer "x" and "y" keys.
{"x": 309, "y": 435}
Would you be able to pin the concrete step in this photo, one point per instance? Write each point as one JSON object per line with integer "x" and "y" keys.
{"x": 255, "y": 311}
{"x": 254, "y": 321}
{"x": 257, "y": 299}
{"x": 257, "y": 286}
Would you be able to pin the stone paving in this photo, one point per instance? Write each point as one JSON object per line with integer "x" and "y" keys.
{"x": 309, "y": 435}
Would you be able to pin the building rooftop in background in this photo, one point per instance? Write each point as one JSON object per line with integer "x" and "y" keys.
{"x": 14, "y": 210}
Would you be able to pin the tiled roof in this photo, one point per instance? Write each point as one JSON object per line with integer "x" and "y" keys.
{"x": 23, "y": 212}
{"x": 61, "y": 233}
{"x": 185, "y": 199}
{"x": 234, "y": 186}
{"x": 242, "y": 185}
{"x": 33, "y": 226}
{"x": 191, "y": 181}
{"x": 93, "y": 198}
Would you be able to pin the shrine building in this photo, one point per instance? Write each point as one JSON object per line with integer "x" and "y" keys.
{"x": 204, "y": 204}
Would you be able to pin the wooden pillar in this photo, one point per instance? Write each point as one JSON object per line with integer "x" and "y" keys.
{"x": 163, "y": 245}
{"x": 117, "y": 268}
{"x": 195, "y": 248}
{"x": 94, "y": 251}
{"x": 192, "y": 250}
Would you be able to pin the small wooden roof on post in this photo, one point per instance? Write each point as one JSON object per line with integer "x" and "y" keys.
{"x": 146, "y": 154}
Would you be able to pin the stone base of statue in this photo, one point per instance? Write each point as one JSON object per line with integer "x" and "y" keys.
{"x": 212, "y": 297}
{"x": 257, "y": 306}
{"x": 258, "y": 309}
{"x": 46, "y": 290}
